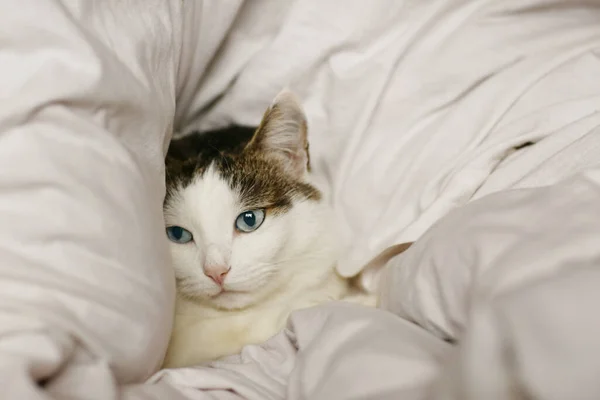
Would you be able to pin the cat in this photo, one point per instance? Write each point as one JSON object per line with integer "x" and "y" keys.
{"x": 252, "y": 239}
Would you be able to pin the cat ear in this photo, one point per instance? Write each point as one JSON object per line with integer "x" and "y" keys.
{"x": 282, "y": 134}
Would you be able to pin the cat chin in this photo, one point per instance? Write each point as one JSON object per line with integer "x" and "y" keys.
{"x": 227, "y": 300}
{"x": 230, "y": 301}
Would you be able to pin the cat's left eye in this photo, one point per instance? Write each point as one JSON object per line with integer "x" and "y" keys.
{"x": 249, "y": 221}
{"x": 179, "y": 235}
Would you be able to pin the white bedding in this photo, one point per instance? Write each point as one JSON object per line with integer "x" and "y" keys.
{"x": 413, "y": 106}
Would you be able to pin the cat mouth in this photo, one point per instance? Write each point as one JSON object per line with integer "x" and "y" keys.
{"x": 222, "y": 291}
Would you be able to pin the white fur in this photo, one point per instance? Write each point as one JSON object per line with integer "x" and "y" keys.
{"x": 286, "y": 264}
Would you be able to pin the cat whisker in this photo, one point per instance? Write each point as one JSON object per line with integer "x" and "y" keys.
{"x": 299, "y": 258}
{"x": 282, "y": 262}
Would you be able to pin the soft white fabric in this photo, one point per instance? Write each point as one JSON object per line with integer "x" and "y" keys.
{"x": 514, "y": 278}
{"x": 414, "y": 107}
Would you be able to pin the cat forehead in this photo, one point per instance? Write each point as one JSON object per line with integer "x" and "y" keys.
{"x": 254, "y": 181}
{"x": 257, "y": 180}
{"x": 188, "y": 157}
{"x": 208, "y": 196}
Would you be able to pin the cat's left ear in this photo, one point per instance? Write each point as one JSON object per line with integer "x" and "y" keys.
{"x": 282, "y": 134}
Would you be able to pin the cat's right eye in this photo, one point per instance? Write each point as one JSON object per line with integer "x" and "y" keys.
{"x": 179, "y": 235}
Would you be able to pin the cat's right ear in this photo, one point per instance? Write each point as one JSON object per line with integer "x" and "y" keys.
{"x": 282, "y": 134}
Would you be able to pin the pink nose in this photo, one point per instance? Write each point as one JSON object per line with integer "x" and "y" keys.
{"x": 217, "y": 273}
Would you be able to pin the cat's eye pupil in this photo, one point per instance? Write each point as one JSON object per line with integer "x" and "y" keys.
{"x": 177, "y": 232}
{"x": 250, "y": 219}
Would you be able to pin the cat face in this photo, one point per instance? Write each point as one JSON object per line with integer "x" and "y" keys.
{"x": 242, "y": 218}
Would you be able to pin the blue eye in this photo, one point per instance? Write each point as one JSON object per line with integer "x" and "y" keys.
{"x": 249, "y": 221}
{"x": 179, "y": 235}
